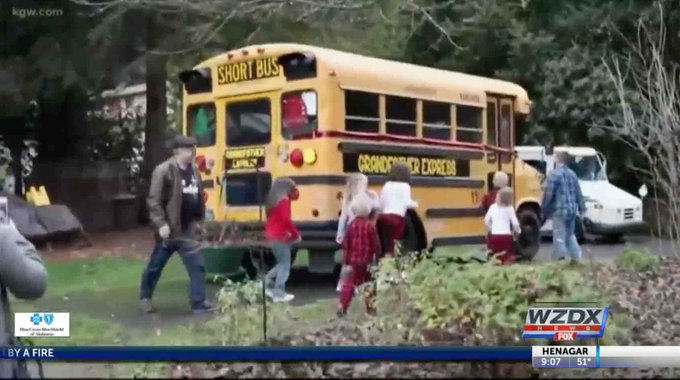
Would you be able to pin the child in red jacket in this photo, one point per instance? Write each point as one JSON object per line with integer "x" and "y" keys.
{"x": 281, "y": 233}
{"x": 360, "y": 246}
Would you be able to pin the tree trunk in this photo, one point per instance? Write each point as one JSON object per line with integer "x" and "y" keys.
{"x": 155, "y": 139}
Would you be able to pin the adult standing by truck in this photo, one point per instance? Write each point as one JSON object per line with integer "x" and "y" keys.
{"x": 563, "y": 202}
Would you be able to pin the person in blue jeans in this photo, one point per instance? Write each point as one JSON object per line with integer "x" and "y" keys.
{"x": 281, "y": 233}
{"x": 563, "y": 202}
{"x": 175, "y": 205}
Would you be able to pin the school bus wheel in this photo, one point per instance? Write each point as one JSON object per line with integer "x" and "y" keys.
{"x": 415, "y": 237}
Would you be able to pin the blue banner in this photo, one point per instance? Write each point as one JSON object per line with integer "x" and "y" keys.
{"x": 326, "y": 353}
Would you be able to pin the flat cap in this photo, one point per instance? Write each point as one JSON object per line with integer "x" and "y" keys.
{"x": 183, "y": 142}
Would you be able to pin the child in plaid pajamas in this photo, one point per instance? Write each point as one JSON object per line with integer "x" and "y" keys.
{"x": 360, "y": 246}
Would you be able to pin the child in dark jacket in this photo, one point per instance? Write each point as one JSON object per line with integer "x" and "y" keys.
{"x": 360, "y": 245}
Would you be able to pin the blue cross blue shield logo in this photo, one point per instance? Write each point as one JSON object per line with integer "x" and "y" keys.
{"x": 49, "y": 318}
{"x": 36, "y": 319}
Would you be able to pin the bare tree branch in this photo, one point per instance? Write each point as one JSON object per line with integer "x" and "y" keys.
{"x": 648, "y": 97}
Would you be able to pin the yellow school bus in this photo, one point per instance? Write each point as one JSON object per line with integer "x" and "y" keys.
{"x": 315, "y": 115}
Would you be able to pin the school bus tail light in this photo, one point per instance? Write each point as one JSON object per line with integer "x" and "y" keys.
{"x": 309, "y": 156}
{"x": 202, "y": 164}
{"x": 296, "y": 158}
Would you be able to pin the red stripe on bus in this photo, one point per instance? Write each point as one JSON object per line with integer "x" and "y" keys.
{"x": 405, "y": 139}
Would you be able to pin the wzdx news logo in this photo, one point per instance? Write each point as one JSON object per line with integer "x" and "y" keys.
{"x": 565, "y": 323}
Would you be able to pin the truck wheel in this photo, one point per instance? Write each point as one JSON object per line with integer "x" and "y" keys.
{"x": 579, "y": 231}
{"x": 530, "y": 239}
{"x": 613, "y": 238}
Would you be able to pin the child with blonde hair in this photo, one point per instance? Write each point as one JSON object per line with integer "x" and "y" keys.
{"x": 357, "y": 184}
{"x": 499, "y": 181}
{"x": 503, "y": 225}
{"x": 360, "y": 247}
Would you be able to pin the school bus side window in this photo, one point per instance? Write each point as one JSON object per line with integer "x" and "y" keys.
{"x": 249, "y": 122}
{"x": 298, "y": 113}
{"x": 201, "y": 123}
{"x": 362, "y": 112}
{"x": 401, "y": 116}
{"x": 469, "y": 124}
{"x": 436, "y": 120}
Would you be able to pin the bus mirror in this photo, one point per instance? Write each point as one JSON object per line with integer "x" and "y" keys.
{"x": 643, "y": 191}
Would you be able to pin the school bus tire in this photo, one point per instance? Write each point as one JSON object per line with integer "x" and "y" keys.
{"x": 415, "y": 237}
{"x": 530, "y": 239}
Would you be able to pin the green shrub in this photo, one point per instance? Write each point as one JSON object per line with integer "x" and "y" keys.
{"x": 482, "y": 303}
{"x": 635, "y": 260}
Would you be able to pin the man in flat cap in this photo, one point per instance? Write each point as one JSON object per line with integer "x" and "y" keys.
{"x": 175, "y": 204}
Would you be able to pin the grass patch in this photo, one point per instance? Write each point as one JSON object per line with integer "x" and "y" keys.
{"x": 103, "y": 273}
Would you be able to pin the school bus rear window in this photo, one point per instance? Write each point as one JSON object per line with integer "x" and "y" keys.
{"x": 241, "y": 189}
{"x": 249, "y": 122}
{"x": 201, "y": 123}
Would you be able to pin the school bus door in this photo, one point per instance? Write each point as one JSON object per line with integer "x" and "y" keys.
{"x": 252, "y": 133}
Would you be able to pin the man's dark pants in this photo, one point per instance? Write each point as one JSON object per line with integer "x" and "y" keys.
{"x": 193, "y": 262}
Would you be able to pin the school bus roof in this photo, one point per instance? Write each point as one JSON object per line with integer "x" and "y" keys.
{"x": 357, "y": 72}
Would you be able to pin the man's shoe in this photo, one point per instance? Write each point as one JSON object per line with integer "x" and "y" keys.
{"x": 341, "y": 313}
{"x": 205, "y": 308}
{"x": 146, "y": 306}
{"x": 269, "y": 293}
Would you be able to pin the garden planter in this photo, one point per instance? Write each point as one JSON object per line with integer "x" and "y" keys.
{"x": 223, "y": 262}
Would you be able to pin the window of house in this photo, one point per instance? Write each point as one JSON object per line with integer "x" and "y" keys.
{"x": 436, "y": 120}
{"x": 362, "y": 112}
{"x": 401, "y": 116}
{"x": 249, "y": 122}
{"x": 469, "y": 124}
{"x": 201, "y": 123}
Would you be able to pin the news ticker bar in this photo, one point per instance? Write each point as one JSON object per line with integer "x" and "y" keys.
{"x": 540, "y": 356}
{"x": 605, "y": 356}
{"x": 325, "y": 353}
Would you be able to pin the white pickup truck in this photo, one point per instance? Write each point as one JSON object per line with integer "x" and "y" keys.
{"x": 610, "y": 211}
